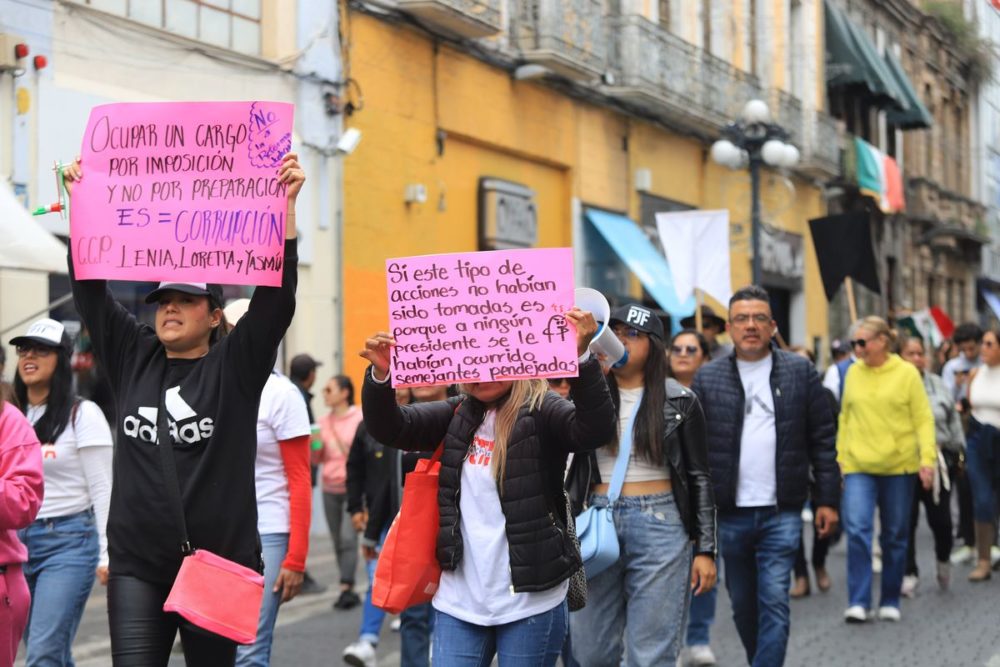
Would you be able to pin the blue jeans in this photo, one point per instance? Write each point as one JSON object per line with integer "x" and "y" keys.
{"x": 61, "y": 567}
{"x": 644, "y": 595}
{"x": 531, "y": 642}
{"x": 258, "y": 654}
{"x": 758, "y": 548}
{"x": 415, "y": 627}
{"x": 980, "y": 463}
{"x": 701, "y": 617}
{"x": 372, "y": 616}
{"x": 893, "y": 494}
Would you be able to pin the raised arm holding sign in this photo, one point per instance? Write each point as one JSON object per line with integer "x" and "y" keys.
{"x": 185, "y": 439}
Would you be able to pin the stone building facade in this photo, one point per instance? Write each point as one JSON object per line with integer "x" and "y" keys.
{"x": 929, "y": 253}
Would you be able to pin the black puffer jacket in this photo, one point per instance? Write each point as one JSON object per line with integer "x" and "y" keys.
{"x": 375, "y": 479}
{"x": 542, "y": 554}
{"x": 686, "y": 458}
{"x": 806, "y": 432}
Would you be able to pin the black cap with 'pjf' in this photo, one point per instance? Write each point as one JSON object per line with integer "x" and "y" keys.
{"x": 639, "y": 318}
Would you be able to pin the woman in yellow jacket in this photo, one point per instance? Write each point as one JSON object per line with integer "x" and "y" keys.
{"x": 885, "y": 439}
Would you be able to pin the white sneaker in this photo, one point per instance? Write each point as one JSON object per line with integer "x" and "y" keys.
{"x": 910, "y": 583}
{"x": 962, "y": 555}
{"x": 700, "y": 655}
{"x": 395, "y": 625}
{"x": 856, "y": 614}
{"x": 360, "y": 654}
{"x": 890, "y": 614}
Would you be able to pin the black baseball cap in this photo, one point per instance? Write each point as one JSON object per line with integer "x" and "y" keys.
{"x": 212, "y": 290}
{"x": 708, "y": 317}
{"x": 302, "y": 365}
{"x": 639, "y": 318}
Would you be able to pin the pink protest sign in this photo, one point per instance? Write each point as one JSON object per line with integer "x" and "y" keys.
{"x": 481, "y": 316}
{"x": 183, "y": 191}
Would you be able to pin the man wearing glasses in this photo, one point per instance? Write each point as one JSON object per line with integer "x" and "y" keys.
{"x": 770, "y": 429}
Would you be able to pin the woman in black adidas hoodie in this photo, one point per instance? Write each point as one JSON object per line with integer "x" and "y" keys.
{"x": 213, "y": 386}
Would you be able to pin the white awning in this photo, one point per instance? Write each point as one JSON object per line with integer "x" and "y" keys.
{"x": 24, "y": 244}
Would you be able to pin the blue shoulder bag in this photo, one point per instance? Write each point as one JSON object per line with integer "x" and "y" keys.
{"x": 595, "y": 526}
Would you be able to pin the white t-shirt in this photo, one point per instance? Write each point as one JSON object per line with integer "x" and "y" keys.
{"x": 831, "y": 380}
{"x": 639, "y": 468}
{"x": 282, "y": 416}
{"x": 76, "y": 480}
{"x": 480, "y": 590}
{"x": 756, "y": 485}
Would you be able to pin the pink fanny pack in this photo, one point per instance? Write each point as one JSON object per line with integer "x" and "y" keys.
{"x": 218, "y": 595}
{"x": 214, "y": 593}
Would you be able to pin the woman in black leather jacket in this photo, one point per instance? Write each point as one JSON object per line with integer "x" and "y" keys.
{"x": 503, "y": 545}
{"x": 666, "y": 502}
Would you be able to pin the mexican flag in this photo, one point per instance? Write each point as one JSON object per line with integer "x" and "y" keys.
{"x": 932, "y": 325}
{"x": 878, "y": 176}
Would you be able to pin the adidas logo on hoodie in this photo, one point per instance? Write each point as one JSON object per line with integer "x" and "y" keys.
{"x": 183, "y": 422}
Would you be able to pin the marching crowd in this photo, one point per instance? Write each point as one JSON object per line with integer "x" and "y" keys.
{"x": 702, "y": 457}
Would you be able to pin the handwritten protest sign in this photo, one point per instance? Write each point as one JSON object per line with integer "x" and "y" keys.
{"x": 182, "y": 191}
{"x": 481, "y": 316}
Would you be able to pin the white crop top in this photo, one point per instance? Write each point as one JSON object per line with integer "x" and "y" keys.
{"x": 984, "y": 395}
{"x": 639, "y": 469}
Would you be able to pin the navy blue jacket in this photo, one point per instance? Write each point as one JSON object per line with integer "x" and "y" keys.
{"x": 806, "y": 431}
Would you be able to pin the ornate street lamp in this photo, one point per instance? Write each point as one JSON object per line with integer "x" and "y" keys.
{"x": 754, "y": 141}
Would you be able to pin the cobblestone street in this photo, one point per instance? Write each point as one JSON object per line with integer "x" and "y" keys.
{"x": 954, "y": 629}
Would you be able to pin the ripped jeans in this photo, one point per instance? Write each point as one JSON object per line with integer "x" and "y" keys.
{"x": 637, "y": 607}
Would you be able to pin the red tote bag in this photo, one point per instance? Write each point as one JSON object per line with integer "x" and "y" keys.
{"x": 408, "y": 572}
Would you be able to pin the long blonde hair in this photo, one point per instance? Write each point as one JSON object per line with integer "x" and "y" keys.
{"x": 527, "y": 394}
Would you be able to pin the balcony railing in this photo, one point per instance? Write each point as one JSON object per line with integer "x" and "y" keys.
{"x": 567, "y": 36}
{"x": 675, "y": 79}
{"x": 788, "y": 114}
{"x": 466, "y": 18}
{"x": 821, "y": 145}
{"x": 929, "y": 201}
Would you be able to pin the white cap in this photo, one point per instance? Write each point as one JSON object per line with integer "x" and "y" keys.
{"x": 45, "y": 331}
{"x": 236, "y": 310}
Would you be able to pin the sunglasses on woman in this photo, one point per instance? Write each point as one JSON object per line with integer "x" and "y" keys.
{"x": 627, "y": 332}
{"x": 684, "y": 350}
{"x": 37, "y": 350}
{"x": 556, "y": 382}
{"x": 860, "y": 342}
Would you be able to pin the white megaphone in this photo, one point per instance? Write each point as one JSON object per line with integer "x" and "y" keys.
{"x": 605, "y": 342}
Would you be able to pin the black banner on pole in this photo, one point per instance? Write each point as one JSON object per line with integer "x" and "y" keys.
{"x": 844, "y": 249}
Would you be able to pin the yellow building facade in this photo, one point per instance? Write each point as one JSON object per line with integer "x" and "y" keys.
{"x": 437, "y": 120}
